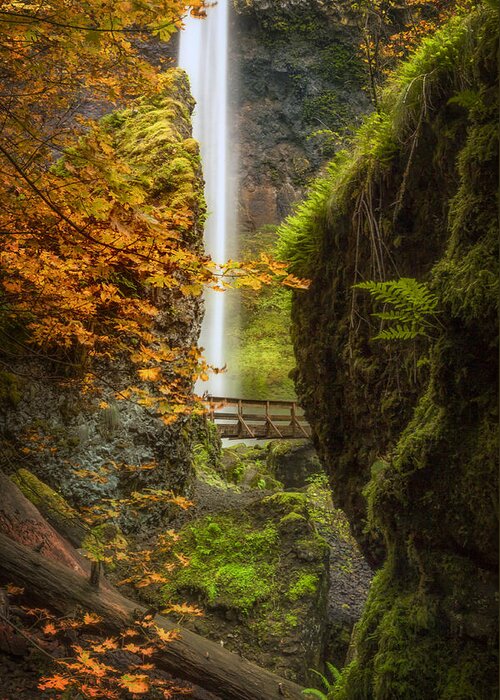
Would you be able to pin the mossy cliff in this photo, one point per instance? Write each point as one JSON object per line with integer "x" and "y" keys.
{"x": 408, "y": 429}
{"x": 90, "y": 445}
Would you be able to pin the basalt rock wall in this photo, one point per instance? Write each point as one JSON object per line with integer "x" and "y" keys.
{"x": 295, "y": 69}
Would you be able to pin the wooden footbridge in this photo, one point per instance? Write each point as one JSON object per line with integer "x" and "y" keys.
{"x": 264, "y": 420}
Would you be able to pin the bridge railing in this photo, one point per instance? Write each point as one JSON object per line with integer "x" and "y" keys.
{"x": 260, "y": 419}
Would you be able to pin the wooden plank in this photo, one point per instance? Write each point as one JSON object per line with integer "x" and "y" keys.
{"x": 247, "y": 402}
{"x": 260, "y": 432}
{"x": 277, "y": 418}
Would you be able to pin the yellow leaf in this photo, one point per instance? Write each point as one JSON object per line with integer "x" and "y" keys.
{"x": 166, "y": 636}
{"x": 149, "y": 373}
{"x": 183, "y": 609}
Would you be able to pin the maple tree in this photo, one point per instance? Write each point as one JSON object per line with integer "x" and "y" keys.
{"x": 88, "y": 257}
{"x": 85, "y": 256}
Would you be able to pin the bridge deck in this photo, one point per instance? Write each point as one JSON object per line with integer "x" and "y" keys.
{"x": 246, "y": 418}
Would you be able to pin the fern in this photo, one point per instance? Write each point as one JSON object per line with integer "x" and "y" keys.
{"x": 328, "y": 684}
{"x": 413, "y": 305}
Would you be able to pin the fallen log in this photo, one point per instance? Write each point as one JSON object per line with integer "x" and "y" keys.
{"x": 190, "y": 656}
{"x": 22, "y": 522}
{"x": 58, "y": 513}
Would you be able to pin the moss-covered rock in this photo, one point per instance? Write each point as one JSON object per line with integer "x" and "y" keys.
{"x": 412, "y": 445}
{"x": 262, "y": 575}
{"x": 10, "y": 389}
{"x": 293, "y": 461}
{"x": 92, "y": 445}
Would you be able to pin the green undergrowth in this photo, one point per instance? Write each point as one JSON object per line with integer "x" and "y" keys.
{"x": 263, "y": 356}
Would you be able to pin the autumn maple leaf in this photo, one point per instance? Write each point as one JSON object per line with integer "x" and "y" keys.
{"x": 135, "y": 684}
{"x": 55, "y": 682}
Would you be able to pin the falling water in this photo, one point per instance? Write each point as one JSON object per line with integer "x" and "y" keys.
{"x": 203, "y": 55}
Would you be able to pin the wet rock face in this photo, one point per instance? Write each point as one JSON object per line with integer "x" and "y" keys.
{"x": 295, "y": 70}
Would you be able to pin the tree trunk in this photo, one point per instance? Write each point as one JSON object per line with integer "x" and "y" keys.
{"x": 191, "y": 657}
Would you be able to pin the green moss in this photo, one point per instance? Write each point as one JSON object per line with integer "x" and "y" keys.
{"x": 426, "y": 168}
{"x": 10, "y": 388}
{"x": 286, "y": 502}
{"x": 291, "y": 518}
{"x": 52, "y": 505}
{"x": 40, "y": 494}
{"x": 304, "y": 585}
{"x": 231, "y": 564}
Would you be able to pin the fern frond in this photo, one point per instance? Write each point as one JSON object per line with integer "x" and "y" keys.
{"x": 334, "y": 672}
{"x": 312, "y": 692}
{"x": 398, "y": 332}
{"x": 411, "y": 301}
{"x": 323, "y": 678}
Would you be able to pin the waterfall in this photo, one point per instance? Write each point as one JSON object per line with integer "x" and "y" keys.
{"x": 203, "y": 55}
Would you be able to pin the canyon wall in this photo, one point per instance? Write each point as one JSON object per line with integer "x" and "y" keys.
{"x": 408, "y": 428}
{"x": 91, "y": 444}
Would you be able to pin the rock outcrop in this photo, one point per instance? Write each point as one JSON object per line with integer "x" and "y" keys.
{"x": 408, "y": 429}
{"x": 90, "y": 445}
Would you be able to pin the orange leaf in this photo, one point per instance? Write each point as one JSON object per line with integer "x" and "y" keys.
{"x": 91, "y": 619}
{"x": 49, "y": 628}
{"x": 148, "y": 651}
{"x": 135, "y": 684}
{"x": 104, "y": 646}
{"x": 14, "y": 590}
{"x": 53, "y": 683}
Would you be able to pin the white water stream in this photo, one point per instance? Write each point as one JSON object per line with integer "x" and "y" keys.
{"x": 203, "y": 55}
